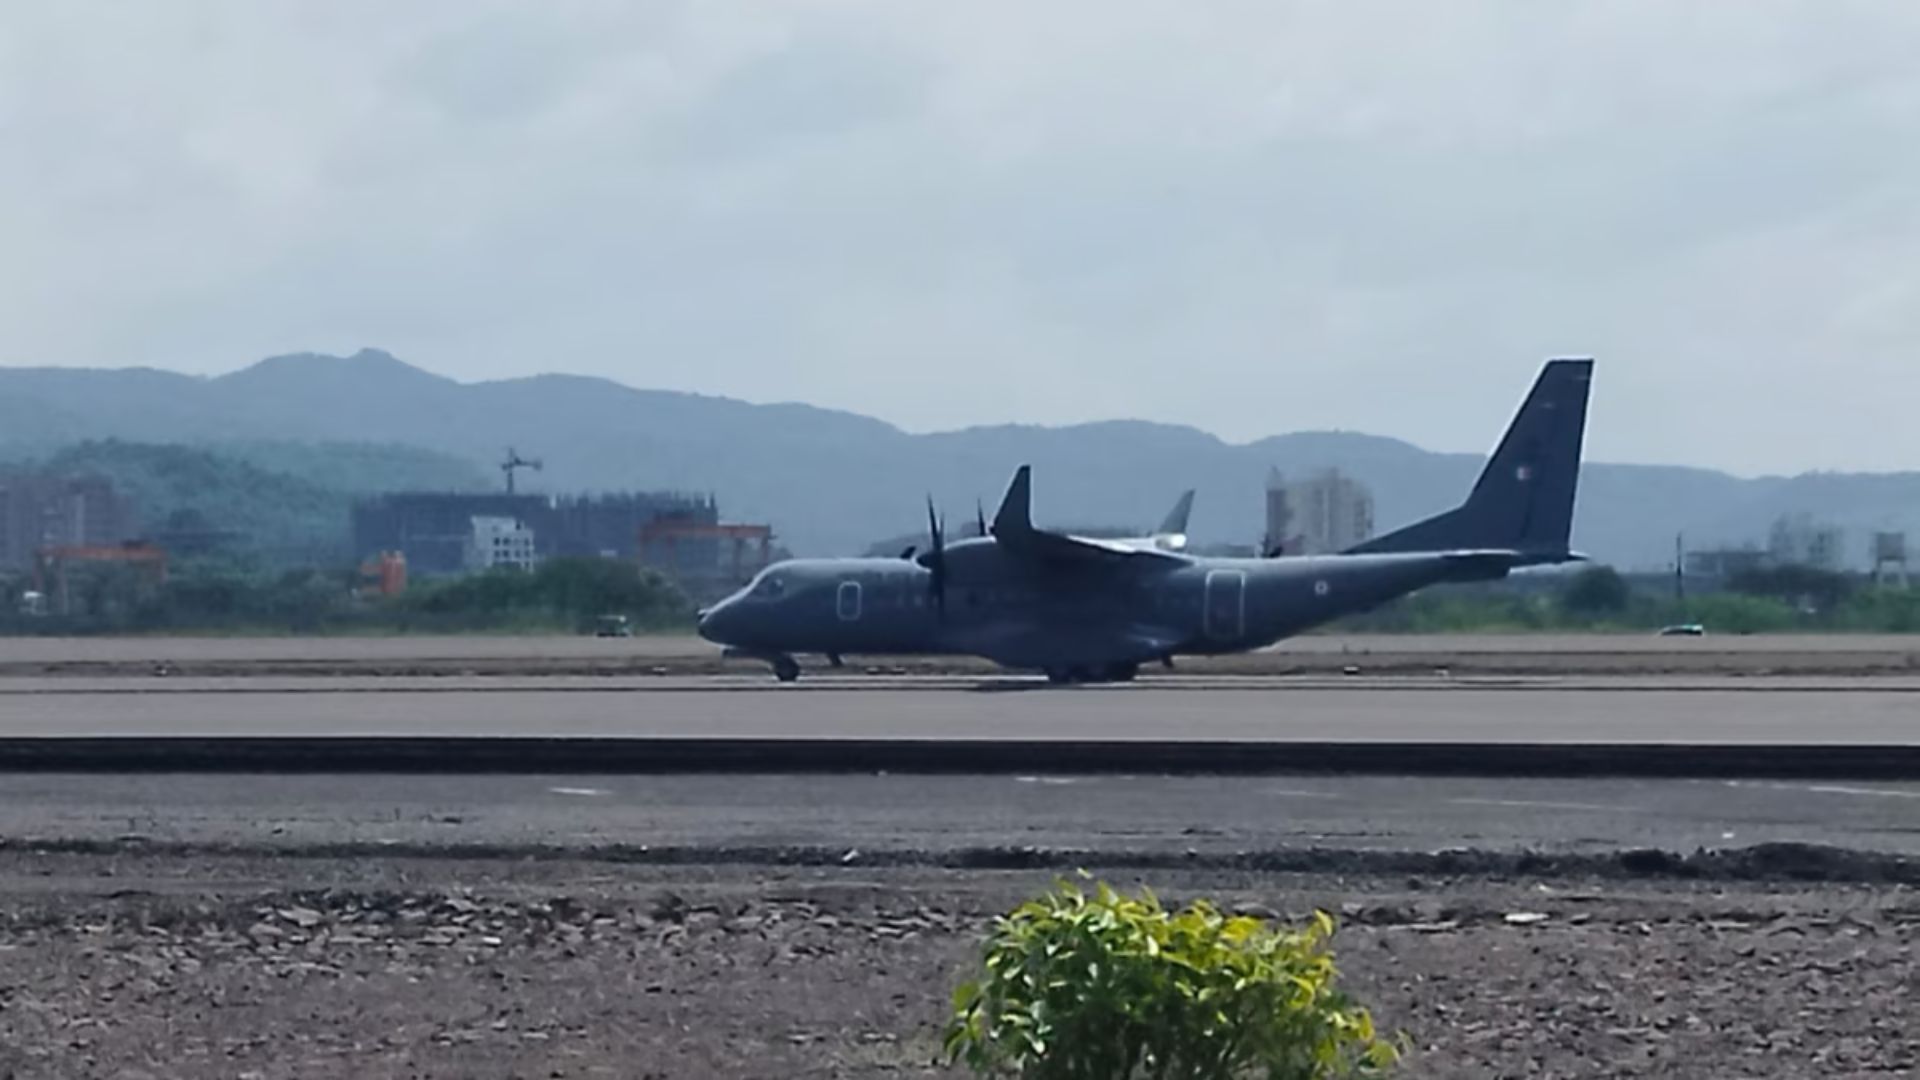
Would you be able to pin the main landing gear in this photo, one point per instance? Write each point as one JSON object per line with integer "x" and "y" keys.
{"x": 1106, "y": 673}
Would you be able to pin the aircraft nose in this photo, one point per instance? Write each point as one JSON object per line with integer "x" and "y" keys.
{"x": 710, "y": 622}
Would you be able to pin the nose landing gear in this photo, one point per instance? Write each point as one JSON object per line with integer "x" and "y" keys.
{"x": 785, "y": 667}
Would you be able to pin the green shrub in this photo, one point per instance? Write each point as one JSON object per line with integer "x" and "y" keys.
{"x": 1108, "y": 987}
{"x": 1596, "y": 591}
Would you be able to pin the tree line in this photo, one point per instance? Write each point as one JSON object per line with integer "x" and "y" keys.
{"x": 1599, "y": 598}
{"x": 235, "y": 596}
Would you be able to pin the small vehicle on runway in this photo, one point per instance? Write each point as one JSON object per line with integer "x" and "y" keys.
{"x": 612, "y": 626}
{"x": 1082, "y": 609}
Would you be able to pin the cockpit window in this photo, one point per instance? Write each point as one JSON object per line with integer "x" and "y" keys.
{"x": 770, "y": 587}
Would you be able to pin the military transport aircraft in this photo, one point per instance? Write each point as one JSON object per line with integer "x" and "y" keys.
{"x": 1088, "y": 610}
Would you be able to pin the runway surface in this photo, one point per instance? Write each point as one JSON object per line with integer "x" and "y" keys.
{"x": 869, "y": 814}
{"x": 1886, "y": 713}
{"x": 1809, "y": 727}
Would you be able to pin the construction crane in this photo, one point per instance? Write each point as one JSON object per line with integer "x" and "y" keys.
{"x": 515, "y": 461}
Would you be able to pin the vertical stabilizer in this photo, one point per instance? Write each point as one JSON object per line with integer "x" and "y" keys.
{"x": 1015, "y": 516}
{"x": 1524, "y": 498}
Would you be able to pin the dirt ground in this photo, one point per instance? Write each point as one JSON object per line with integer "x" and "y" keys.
{"x": 130, "y": 965}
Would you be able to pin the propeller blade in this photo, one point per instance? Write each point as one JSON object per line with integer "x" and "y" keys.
{"x": 979, "y": 518}
{"x": 937, "y": 558}
{"x": 940, "y": 588}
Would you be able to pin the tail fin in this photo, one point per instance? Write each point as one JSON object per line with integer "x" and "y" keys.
{"x": 1523, "y": 501}
{"x": 1015, "y": 517}
{"x": 1176, "y": 523}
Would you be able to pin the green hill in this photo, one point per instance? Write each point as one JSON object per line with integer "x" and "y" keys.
{"x": 831, "y": 482}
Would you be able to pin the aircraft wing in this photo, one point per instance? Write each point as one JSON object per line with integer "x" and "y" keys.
{"x": 1497, "y": 561}
{"x": 1013, "y": 529}
{"x": 1060, "y": 547}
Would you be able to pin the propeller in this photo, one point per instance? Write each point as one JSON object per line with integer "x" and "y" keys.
{"x": 936, "y": 559}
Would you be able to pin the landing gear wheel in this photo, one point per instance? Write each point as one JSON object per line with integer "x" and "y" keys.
{"x": 786, "y": 669}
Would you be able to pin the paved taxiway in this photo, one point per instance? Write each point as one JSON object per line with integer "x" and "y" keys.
{"x": 1886, "y": 712}
{"x": 935, "y": 813}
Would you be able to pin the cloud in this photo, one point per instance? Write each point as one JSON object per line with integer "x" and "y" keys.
{"x": 1248, "y": 216}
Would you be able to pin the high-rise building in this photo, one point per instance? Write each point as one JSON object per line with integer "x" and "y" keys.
{"x": 1279, "y": 537}
{"x": 1325, "y": 513}
{"x": 43, "y": 510}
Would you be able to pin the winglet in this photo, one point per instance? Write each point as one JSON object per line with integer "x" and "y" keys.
{"x": 1015, "y": 517}
{"x": 1176, "y": 523}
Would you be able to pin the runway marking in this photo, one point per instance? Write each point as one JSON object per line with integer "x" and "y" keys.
{"x": 1058, "y": 780}
{"x": 1532, "y": 804}
{"x": 585, "y": 791}
{"x": 1831, "y": 789}
{"x": 1879, "y": 793}
{"x": 1294, "y": 793}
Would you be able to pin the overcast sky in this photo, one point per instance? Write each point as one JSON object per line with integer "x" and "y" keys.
{"x": 1250, "y": 217}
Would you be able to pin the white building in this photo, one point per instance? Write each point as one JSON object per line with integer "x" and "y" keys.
{"x": 500, "y": 541}
{"x": 1327, "y": 512}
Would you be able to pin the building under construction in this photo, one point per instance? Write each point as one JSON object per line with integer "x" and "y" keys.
{"x": 707, "y": 559}
{"x": 434, "y": 530}
{"x": 46, "y": 510}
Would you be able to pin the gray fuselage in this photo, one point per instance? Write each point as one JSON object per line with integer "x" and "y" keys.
{"x": 1050, "y": 615}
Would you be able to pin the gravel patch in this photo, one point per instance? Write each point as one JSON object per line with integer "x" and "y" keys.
{"x": 146, "y": 966}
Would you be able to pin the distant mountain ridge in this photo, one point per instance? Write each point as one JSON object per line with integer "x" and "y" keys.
{"x": 833, "y": 481}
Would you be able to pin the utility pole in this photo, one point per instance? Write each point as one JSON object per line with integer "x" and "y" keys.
{"x": 1680, "y": 570}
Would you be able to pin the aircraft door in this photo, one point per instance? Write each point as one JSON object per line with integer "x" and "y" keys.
{"x": 848, "y": 601}
{"x": 1226, "y": 616}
